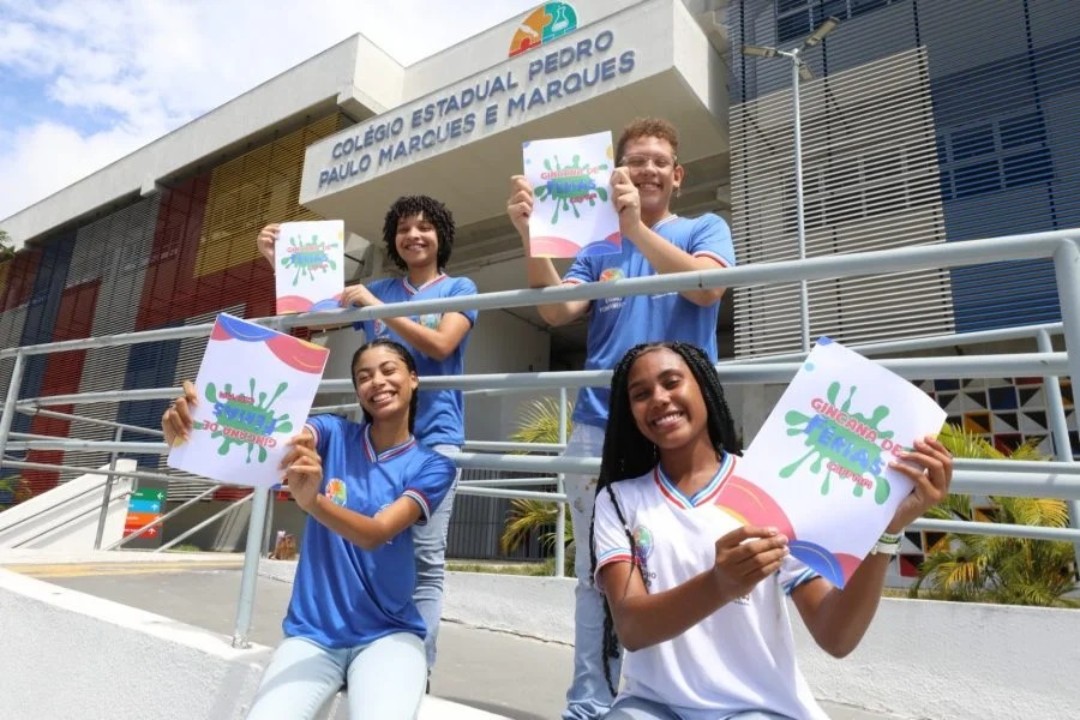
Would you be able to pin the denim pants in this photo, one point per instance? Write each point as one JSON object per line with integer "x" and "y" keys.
{"x": 635, "y": 708}
{"x": 429, "y": 547}
{"x": 588, "y": 697}
{"x": 385, "y": 679}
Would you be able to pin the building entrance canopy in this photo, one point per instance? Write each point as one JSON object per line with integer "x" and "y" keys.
{"x": 461, "y": 143}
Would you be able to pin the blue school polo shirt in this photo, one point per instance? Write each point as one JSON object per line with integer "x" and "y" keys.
{"x": 344, "y": 596}
{"x": 440, "y": 413}
{"x": 618, "y": 324}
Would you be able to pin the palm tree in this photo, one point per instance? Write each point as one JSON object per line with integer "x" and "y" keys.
{"x": 539, "y": 423}
{"x": 1008, "y": 570}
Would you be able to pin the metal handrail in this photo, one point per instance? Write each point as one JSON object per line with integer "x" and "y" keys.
{"x": 208, "y": 521}
{"x": 62, "y": 503}
{"x": 498, "y": 446}
{"x": 930, "y": 342}
{"x": 1061, "y": 246}
{"x": 89, "y": 420}
{"x": 66, "y": 521}
{"x": 993, "y": 477}
{"x": 508, "y": 482}
{"x": 1027, "y": 246}
{"x": 967, "y": 366}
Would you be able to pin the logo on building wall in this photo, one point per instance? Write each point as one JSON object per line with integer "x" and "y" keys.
{"x": 544, "y": 24}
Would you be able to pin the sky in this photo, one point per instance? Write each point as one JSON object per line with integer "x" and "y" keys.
{"x": 85, "y": 82}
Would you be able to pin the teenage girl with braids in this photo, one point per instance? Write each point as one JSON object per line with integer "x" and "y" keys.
{"x": 352, "y": 616}
{"x": 696, "y": 599}
{"x": 419, "y": 235}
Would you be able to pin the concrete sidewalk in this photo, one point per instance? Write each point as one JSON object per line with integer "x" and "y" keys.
{"x": 506, "y": 674}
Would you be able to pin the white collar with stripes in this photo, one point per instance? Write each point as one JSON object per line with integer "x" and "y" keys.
{"x": 389, "y": 453}
{"x": 705, "y": 495}
{"x": 412, "y": 290}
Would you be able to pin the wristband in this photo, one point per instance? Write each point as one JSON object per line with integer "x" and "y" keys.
{"x": 887, "y": 544}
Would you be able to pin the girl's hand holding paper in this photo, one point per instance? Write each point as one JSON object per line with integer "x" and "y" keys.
{"x": 303, "y": 470}
{"x": 254, "y": 387}
{"x": 176, "y": 422}
{"x": 930, "y": 468}
{"x": 842, "y": 457}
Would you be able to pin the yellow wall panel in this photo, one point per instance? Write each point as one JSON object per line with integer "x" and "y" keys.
{"x": 251, "y": 190}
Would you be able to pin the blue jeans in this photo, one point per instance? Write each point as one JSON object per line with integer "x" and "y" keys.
{"x": 588, "y": 697}
{"x": 429, "y": 546}
{"x": 635, "y": 708}
{"x": 385, "y": 679}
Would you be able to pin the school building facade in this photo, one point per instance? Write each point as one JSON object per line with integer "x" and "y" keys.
{"x": 925, "y": 122}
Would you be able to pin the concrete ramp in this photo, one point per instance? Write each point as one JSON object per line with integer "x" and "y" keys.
{"x": 74, "y": 656}
{"x": 66, "y": 517}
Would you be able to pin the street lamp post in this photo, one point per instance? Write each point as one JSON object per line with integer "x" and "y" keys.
{"x": 799, "y": 71}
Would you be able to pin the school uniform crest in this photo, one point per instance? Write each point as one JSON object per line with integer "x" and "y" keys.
{"x": 337, "y": 492}
{"x": 643, "y": 544}
{"x": 430, "y": 320}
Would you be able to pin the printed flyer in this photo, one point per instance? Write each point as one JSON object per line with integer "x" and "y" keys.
{"x": 309, "y": 269}
{"x": 572, "y": 209}
{"x": 818, "y": 469}
{"x": 255, "y": 388}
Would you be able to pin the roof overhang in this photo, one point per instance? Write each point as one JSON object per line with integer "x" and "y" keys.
{"x": 651, "y": 59}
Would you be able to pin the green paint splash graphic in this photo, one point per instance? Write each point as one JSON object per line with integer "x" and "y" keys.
{"x": 851, "y": 445}
{"x": 308, "y": 258}
{"x": 569, "y": 185}
{"x": 245, "y": 420}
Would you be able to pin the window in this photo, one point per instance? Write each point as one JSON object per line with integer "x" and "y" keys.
{"x": 994, "y": 155}
{"x": 795, "y": 18}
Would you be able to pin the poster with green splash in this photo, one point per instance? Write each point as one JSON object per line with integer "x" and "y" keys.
{"x": 573, "y": 214}
{"x": 309, "y": 266}
{"x": 254, "y": 388}
{"x": 818, "y": 468}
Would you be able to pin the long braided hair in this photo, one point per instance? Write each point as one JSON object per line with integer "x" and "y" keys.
{"x": 629, "y": 454}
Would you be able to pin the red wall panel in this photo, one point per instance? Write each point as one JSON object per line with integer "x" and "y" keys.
{"x": 63, "y": 372}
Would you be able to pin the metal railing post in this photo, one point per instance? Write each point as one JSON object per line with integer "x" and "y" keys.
{"x": 14, "y": 384}
{"x": 560, "y": 518}
{"x": 267, "y": 541}
{"x": 246, "y": 603}
{"x": 1067, "y": 274}
{"x": 106, "y": 496}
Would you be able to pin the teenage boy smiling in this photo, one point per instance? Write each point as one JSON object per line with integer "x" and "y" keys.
{"x": 655, "y": 242}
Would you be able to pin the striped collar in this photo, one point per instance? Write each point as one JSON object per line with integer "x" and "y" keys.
{"x": 412, "y": 290}
{"x": 661, "y": 223}
{"x": 704, "y": 496}
{"x": 372, "y": 456}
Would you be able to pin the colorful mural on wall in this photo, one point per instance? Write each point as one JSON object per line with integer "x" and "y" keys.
{"x": 183, "y": 252}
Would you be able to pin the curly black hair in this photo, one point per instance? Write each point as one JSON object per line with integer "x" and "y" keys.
{"x": 629, "y": 454}
{"x": 434, "y": 212}
{"x": 406, "y": 357}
